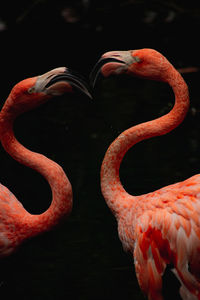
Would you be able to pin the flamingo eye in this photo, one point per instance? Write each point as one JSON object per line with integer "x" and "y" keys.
{"x": 31, "y": 90}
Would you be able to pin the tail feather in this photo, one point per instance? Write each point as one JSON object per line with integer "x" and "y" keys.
{"x": 184, "y": 292}
{"x": 186, "y": 295}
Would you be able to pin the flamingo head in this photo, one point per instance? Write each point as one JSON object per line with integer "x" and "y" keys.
{"x": 32, "y": 92}
{"x": 144, "y": 63}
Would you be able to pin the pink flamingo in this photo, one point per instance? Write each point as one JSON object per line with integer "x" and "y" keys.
{"x": 16, "y": 224}
{"x": 162, "y": 227}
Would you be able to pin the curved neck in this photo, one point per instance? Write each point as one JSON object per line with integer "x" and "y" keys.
{"x": 61, "y": 204}
{"x": 111, "y": 186}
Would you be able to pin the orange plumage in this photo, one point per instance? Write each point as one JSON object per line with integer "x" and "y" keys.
{"x": 162, "y": 227}
{"x": 16, "y": 224}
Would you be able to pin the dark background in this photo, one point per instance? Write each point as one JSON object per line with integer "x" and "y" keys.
{"x": 83, "y": 258}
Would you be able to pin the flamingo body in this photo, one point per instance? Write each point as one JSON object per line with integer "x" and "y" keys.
{"x": 16, "y": 224}
{"x": 10, "y": 211}
{"x": 165, "y": 229}
{"x": 161, "y": 227}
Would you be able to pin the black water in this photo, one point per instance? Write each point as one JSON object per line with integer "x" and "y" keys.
{"x": 83, "y": 259}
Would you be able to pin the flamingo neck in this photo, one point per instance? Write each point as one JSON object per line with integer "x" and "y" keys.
{"x": 115, "y": 195}
{"x": 61, "y": 204}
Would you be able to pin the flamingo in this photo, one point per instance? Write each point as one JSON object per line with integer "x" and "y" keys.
{"x": 16, "y": 224}
{"x": 162, "y": 227}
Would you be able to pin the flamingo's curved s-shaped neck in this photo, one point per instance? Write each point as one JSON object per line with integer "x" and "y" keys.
{"x": 116, "y": 197}
{"x": 61, "y": 204}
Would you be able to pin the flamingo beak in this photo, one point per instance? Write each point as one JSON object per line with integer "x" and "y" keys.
{"x": 70, "y": 79}
{"x": 61, "y": 80}
{"x": 98, "y": 69}
{"x": 113, "y": 62}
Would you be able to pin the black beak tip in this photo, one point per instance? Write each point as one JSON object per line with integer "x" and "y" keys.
{"x": 77, "y": 81}
{"x": 82, "y": 89}
{"x": 94, "y": 78}
{"x": 80, "y": 83}
{"x": 88, "y": 92}
{"x": 96, "y": 72}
